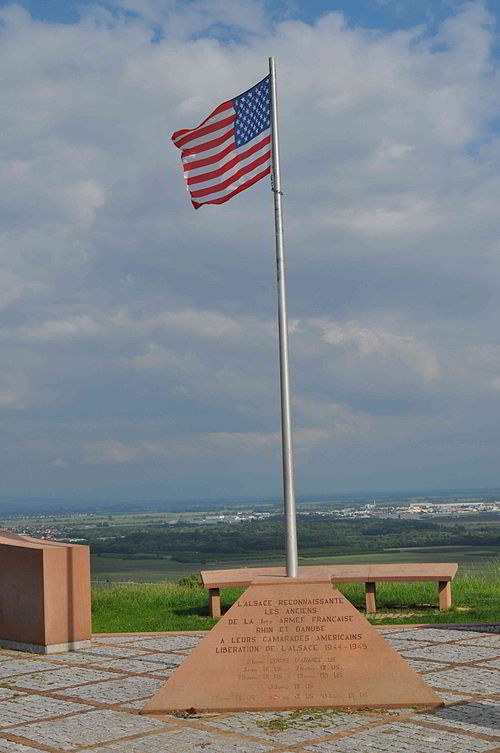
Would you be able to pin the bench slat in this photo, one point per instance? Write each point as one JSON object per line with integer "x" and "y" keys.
{"x": 429, "y": 571}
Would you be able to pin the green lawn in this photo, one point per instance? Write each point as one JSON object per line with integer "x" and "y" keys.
{"x": 184, "y": 606}
{"x": 153, "y": 607}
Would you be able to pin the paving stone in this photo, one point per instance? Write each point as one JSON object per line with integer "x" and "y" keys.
{"x": 6, "y": 693}
{"x": 479, "y": 629}
{"x": 400, "y": 644}
{"x": 307, "y": 726}
{"x": 403, "y": 738}
{"x": 28, "y": 707}
{"x": 466, "y": 679}
{"x": 116, "y": 691}
{"x": 106, "y": 639}
{"x": 138, "y": 705}
{"x": 96, "y": 654}
{"x": 6, "y": 746}
{"x": 9, "y": 652}
{"x": 23, "y": 666}
{"x": 495, "y": 664}
{"x": 89, "y": 728}
{"x": 387, "y": 630}
{"x": 490, "y": 641}
{"x": 421, "y": 665}
{"x": 169, "y": 643}
{"x": 111, "y": 652}
{"x": 183, "y": 740}
{"x": 450, "y": 698}
{"x": 156, "y": 663}
{"x": 76, "y": 657}
{"x": 439, "y": 635}
{"x": 451, "y": 653}
{"x": 391, "y": 630}
{"x": 133, "y": 667}
{"x": 483, "y": 717}
{"x": 62, "y": 677}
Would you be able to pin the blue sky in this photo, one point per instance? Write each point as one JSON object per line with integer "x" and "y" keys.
{"x": 138, "y": 337}
{"x": 376, "y": 14}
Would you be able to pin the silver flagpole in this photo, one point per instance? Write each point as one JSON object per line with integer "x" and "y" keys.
{"x": 286, "y": 422}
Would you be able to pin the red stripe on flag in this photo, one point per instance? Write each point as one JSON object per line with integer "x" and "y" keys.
{"x": 228, "y": 165}
{"x": 239, "y": 174}
{"x": 222, "y": 199}
{"x": 199, "y": 132}
{"x": 183, "y": 131}
{"x": 208, "y": 160}
{"x": 209, "y": 144}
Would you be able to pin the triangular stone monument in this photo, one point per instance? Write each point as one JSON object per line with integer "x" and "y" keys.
{"x": 290, "y": 645}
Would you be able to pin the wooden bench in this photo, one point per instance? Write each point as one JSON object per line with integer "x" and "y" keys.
{"x": 441, "y": 572}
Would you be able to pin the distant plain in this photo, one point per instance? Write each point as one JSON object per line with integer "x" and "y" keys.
{"x": 118, "y": 569}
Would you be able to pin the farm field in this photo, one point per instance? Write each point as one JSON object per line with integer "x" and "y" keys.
{"x": 103, "y": 520}
{"x": 118, "y": 569}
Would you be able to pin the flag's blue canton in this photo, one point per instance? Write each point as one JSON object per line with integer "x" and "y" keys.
{"x": 253, "y": 112}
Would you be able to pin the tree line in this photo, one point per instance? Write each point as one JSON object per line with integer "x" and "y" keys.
{"x": 315, "y": 533}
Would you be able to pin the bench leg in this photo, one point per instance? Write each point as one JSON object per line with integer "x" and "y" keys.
{"x": 370, "y": 596}
{"x": 444, "y": 588}
{"x": 214, "y": 602}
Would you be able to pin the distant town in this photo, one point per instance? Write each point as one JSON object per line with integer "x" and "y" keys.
{"x": 404, "y": 511}
{"x": 417, "y": 510}
{"x": 63, "y": 526}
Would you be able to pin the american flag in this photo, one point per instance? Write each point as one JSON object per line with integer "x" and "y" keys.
{"x": 230, "y": 150}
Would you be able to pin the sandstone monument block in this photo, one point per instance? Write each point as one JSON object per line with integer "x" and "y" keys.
{"x": 44, "y": 595}
{"x": 291, "y": 643}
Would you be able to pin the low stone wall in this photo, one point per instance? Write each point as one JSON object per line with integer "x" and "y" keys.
{"x": 44, "y": 594}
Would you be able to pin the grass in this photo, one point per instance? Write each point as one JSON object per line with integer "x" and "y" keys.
{"x": 153, "y": 607}
{"x": 476, "y": 598}
{"x": 301, "y": 719}
{"x": 184, "y": 605}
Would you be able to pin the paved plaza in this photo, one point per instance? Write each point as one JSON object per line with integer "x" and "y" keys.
{"x": 89, "y": 700}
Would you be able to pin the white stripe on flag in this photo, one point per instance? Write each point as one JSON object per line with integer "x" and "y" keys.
{"x": 222, "y": 115}
{"x": 188, "y": 158}
{"x": 207, "y": 137}
{"x": 232, "y": 186}
{"x": 239, "y": 152}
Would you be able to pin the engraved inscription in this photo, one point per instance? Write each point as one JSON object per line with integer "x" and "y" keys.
{"x": 300, "y": 651}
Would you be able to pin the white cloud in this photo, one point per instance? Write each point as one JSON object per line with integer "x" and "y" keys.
{"x": 201, "y": 17}
{"x": 60, "y": 463}
{"x": 192, "y": 324}
{"x": 13, "y": 287}
{"x": 9, "y": 397}
{"x": 205, "y": 324}
{"x": 15, "y": 390}
{"x": 411, "y": 214}
{"x": 391, "y": 347}
{"x": 208, "y": 444}
{"x": 71, "y": 328}
{"x": 255, "y": 442}
{"x": 109, "y": 451}
{"x": 341, "y": 420}
{"x": 155, "y": 358}
{"x": 84, "y": 199}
